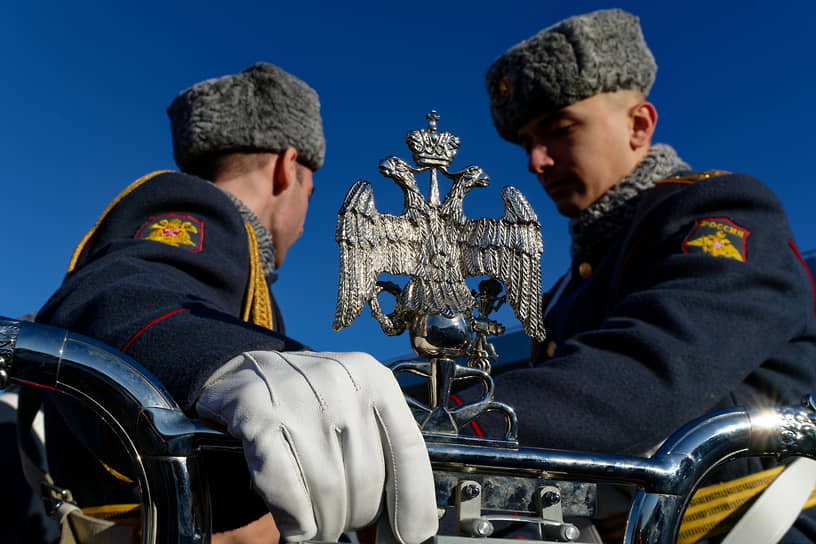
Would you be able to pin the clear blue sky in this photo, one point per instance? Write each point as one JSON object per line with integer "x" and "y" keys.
{"x": 85, "y": 87}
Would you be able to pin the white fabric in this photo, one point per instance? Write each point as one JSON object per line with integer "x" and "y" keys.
{"x": 776, "y": 509}
{"x": 323, "y": 435}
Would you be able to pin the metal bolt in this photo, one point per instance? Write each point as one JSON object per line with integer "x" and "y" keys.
{"x": 550, "y": 498}
{"x": 470, "y": 491}
{"x": 560, "y": 532}
{"x": 481, "y": 527}
{"x": 570, "y": 532}
{"x": 4, "y": 379}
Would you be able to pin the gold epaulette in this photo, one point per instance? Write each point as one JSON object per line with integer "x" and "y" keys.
{"x": 694, "y": 178}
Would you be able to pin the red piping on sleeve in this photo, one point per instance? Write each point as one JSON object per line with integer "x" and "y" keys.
{"x": 135, "y": 336}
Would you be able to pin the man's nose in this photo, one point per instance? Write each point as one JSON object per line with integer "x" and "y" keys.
{"x": 539, "y": 159}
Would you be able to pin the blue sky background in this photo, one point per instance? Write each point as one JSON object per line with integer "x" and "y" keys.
{"x": 85, "y": 87}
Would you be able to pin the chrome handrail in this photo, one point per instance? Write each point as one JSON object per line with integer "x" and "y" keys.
{"x": 667, "y": 480}
{"x": 164, "y": 444}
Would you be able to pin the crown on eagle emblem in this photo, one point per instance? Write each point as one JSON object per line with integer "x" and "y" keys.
{"x": 431, "y": 148}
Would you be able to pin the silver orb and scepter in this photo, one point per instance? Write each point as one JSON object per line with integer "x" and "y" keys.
{"x": 437, "y": 247}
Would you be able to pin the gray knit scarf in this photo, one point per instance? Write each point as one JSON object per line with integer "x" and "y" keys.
{"x": 594, "y": 228}
{"x": 266, "y": 246}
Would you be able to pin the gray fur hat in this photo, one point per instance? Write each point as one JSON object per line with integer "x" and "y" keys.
{"x": 602, "y": 51}
{"x": 262, "y": 108}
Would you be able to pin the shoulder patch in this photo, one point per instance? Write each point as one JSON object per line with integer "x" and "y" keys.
{"x": 718, "y": 237}
{"x": 183, "y": 231}
{"x": 695, "y": 177}
{"x": 91, "y": 233}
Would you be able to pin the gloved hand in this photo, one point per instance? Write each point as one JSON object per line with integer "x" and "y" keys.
{"x": 323, "y": 435}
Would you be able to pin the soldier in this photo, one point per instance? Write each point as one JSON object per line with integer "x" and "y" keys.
{"x": 686, "y": 292}
{"x": 176, "y": 274}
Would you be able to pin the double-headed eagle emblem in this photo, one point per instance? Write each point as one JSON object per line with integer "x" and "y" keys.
{"x": 435, "y": 244}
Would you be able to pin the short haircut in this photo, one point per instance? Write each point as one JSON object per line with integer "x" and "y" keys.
{"x": 228, "y": 165}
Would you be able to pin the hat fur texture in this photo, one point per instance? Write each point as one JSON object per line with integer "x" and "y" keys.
{"x": 262, "y": 109}
{"x": 599, "y": 52}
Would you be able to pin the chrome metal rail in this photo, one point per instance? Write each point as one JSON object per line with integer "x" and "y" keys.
{"x": 667, "y": 480}
{"x": 164, "y": 444}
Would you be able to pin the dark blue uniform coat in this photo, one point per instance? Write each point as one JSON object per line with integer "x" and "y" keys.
{"x": 702, "y": 302}
{"x": 669, "y": 324}
{"x": 165, "y": 278}
{"x": 176, "y": 309}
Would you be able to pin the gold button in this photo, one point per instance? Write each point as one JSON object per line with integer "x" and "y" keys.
{"x": 551, "y": 347}
{"x": 504, "y": 86}
{"x": 585, "y": 270}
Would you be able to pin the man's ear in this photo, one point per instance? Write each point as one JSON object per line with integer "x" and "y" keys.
{"x": 285, "y": 170}
{"x": 644, "y": 122}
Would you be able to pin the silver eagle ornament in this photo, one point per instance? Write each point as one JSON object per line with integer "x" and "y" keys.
{"x": 437, "y": 246}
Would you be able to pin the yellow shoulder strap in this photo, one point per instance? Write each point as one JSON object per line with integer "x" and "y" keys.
{"x": 694, "y": 178}
{"x": 711, "y": 507}
{"x": 257, "y": 305}
{"x": 712, "y": 511}
{"x": 257, "y": 308}
{"x": 123, "y": 194}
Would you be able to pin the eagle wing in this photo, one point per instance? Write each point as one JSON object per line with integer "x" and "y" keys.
{"x": 370, "y": 243}
{"x": 509, "y": 249}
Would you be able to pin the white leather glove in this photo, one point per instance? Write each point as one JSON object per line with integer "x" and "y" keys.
{"x": 323, "y": 435}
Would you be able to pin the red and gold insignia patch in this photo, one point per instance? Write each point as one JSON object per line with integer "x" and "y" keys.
{"x": 718, "y": 237}
{"x": 175, "y": 230}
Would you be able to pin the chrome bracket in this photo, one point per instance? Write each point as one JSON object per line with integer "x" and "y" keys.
{"x": 472, "y": 522}
{"x": 441, "y": 422}
{"x": 469, "y": 510}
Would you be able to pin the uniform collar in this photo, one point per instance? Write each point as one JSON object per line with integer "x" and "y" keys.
{"x": 266, "y": 246}
{"x": 596, "y": 227}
